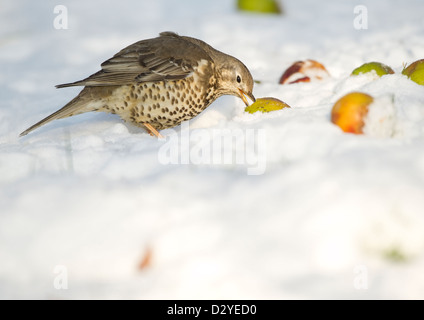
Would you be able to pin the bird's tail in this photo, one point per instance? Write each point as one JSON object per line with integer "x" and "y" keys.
{"x": 75, "y": 106}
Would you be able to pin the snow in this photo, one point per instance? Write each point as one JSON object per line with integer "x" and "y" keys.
{"x": 326, "y": 214}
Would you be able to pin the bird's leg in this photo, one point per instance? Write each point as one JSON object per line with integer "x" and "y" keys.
{"x": 152, "y": 131}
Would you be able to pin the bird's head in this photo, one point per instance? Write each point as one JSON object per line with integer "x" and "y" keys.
{"x": 235, "y": 79}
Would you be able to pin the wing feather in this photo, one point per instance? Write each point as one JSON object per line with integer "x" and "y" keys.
{"x": 167, "y": 57}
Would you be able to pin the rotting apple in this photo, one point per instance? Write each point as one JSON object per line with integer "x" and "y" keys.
{"x": 304, "y": 71}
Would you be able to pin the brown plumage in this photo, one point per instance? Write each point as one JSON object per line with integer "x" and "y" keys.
{"x": 159, "y": 83}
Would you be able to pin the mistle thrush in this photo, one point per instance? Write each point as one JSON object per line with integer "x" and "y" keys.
{"x": 159, "y": 83}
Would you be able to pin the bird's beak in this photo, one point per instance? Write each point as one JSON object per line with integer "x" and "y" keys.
{"x": 243, "y": 97}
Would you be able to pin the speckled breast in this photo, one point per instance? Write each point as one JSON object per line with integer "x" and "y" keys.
{"x": 163, "y": 104}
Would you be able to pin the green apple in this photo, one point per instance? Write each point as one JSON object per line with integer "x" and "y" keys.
{"x": 379, "y": 68}
{"x": 262, "y": 6}
{"x": 266, "y": 105}
{"x": 415, "y": 71}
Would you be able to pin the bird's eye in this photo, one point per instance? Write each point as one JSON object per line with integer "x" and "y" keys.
{"x": 238, "y": 79}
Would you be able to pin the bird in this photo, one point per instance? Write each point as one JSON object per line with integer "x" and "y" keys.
{"x": 158, "y": 83}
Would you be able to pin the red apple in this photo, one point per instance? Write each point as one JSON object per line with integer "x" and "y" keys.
{"x": 304, "y": 71}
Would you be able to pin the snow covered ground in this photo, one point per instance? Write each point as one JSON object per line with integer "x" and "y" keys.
{"x": 91, "y": 207}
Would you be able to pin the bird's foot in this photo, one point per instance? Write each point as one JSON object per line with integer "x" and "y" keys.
{"x": 152, "y": 131}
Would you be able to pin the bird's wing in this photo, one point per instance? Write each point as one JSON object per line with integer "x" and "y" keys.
{"x": 167, "y": 57}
